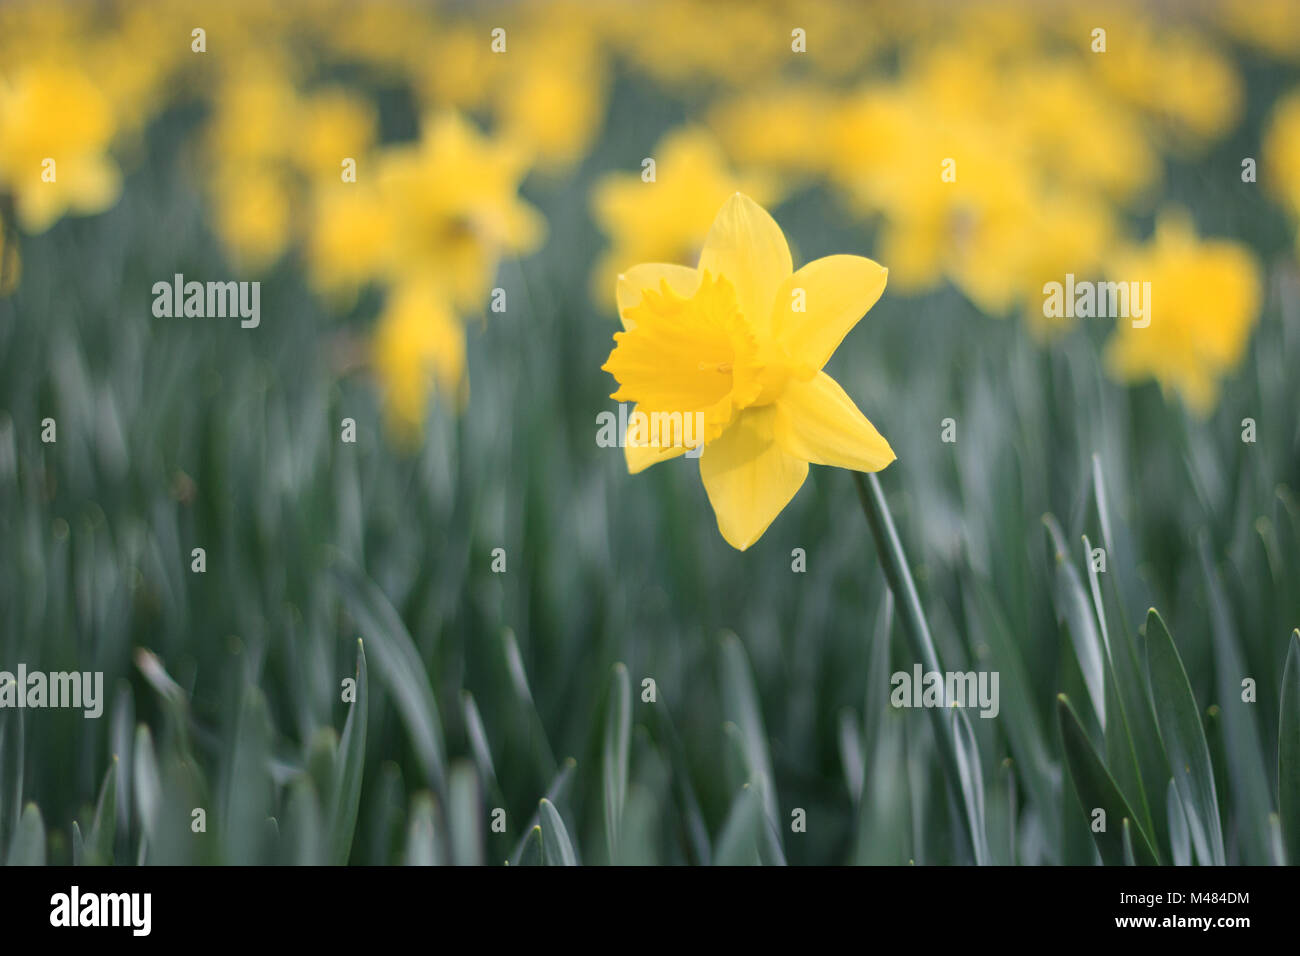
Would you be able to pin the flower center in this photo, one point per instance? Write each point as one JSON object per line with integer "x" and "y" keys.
{"x": 695, "y": 354}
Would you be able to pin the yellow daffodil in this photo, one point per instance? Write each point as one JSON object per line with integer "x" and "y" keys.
{"x": 555, "y": 100}
{"x": 1281, "y": 173}
{"x": 329, "y": 126}
{"x": 253, "y": 212}
{"x": 418, "y": 346}
{"x": 1270, "y": 25}
{"x": 1185, "y": 85}
{"x": 663, "y": 220}
{"x": 782, "y": 128}
{"x": 55, "y": 129}
{"x": 740, "y": 342}
{"x": 1205, "y": 298}
{"x": 349, "y": 241}
{"x": 456, "y": 209}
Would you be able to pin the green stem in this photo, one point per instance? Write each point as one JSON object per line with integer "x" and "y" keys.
{"x": 958, "y": 752}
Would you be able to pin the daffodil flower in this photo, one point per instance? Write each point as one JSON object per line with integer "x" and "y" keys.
{"x": 740, "y": 343}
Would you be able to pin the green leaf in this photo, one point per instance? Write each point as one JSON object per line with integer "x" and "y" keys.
{"x": 1129, "y": 859}
{"x": 465, "y": 815}
{"x": 738, "y": 842}
{"x": 1121, "y": 752}
{"x": 1096, "y": 789}
{"x": 304, "y": 830}
{"x": 1073, "y": 609}
{"x": 741, "y": 701}
{"x": 559, "y": 787}
{"x": 12, "y": 761}
{"x": 248, "y": 792}
{"x": 421, "y": 832}
{"x": 893, "y": 563}
{"x": 1180, "y": 840}
{"x": 99, "y": 846}
{"x": 1248, "y": 779}
{"x": 399, "y": 667}
{"x": 28, "y": 848}
{"x": 478, "y": 741}
{"x": 346, "y": 798}
{"x": 618, "y": 726}
{"x": 519, "y": 680}
{"x": 1021, "y": 720}
{"x": 558, "y": 849}
{"x": 146, "y": 784}
{"x": 1179, "y": 722}
{"x": 530, "y": 848}
{"x": 1288, "y": 753}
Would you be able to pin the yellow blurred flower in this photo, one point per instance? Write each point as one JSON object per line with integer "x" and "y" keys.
{"x": 418, "y": 347}
{"x": 349, "y": 239}
{"x": 460, "y": 70}
{"x": 1204, "y": 301}
{"x": 1281, "y": 172}
{"x": 253, "y": 212}
{"x": 1073, "y": 135}
{"x": 329, "y": 126}
{"x": 454, "y": 201}
{"x": 55, "y": 130}
{"x": 1270, "y": 25}
{"x": 1174, "y": 75}
{"x": 681, "y": 43}
{"x": 739, "y": 343}
{"x": 785, "y": 128}
{"x": 662, "y": 221}
{"x": 1022, "y": 248}
{"x": 556, "y": 98}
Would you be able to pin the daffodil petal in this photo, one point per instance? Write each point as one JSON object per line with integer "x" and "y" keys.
{"x": 817, "y": 421}
{"x": 747, "y": 247}
{"x": 641, "y": 456}
{"x": 681, "y": 279}
{"x": 748, "y": 477}
{"x": 833, "y": 293}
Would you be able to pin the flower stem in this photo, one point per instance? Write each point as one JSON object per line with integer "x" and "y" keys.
{"x": 957, "y": 747}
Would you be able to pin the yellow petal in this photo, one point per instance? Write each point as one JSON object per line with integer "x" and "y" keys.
{"x": 641, "y": 457}
{"x": 836, "y": 292}
{"x": 97, "y": 185}
{"x": 818, "y": 422}
{"x": 681, "y": 279}
{"x": 746, "y": 246}
{"x": 748, "y": 477}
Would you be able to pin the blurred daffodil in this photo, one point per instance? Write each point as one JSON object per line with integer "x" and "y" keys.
{"x": 556, "y": 99}
{"x": 418, "y": 347}
{"x": 455, "y": 208}
{"x": 662, "y": 220}
{"x": 740, "y": 342}
{"x": 1282, "y": 154}
{"x": 1205, "y": 298}
{"x": 349, "y": 240}
{"x": 55, "y": 130}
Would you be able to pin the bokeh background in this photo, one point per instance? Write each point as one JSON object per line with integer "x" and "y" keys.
{"x": 513, "y": 161}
